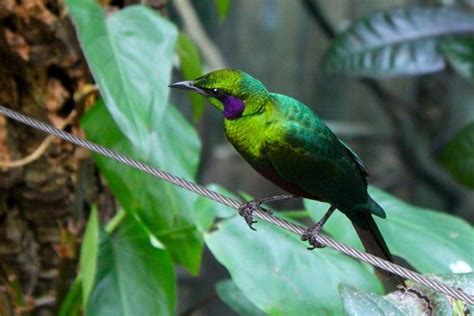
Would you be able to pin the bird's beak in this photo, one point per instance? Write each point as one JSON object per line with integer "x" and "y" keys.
{"x": 188, "y": 85}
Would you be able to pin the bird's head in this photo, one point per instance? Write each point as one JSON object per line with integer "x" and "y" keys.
{"x": 234, "y": 92}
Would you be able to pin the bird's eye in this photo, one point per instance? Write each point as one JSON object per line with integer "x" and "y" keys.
{"x": 214, "y": 90}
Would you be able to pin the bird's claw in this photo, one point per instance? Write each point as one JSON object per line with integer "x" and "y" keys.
{"x": 311, "y": 235}
{"x": 246, "y": 211}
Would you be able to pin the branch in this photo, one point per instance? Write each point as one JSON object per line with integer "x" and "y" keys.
{"x": 39, "y": 150}
{"x": 79, "y": 99}
{"x": 413, "y": 149}
{"x": 196, "y": 32}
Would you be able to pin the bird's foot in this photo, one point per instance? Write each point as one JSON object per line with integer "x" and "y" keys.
{"x": 311, "y": 235}
{"x": 247, "y": 209}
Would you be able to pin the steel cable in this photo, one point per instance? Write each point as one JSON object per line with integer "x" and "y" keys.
{"x": 262, "y": 214}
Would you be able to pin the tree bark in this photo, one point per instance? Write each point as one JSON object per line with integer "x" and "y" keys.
{"x": 42, "y": 74}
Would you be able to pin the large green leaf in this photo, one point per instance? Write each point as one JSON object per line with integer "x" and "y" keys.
{"x": 163, "y": 208}
{"x": 133, "y": 277}
{"x": 89, "y": 252}
{"x": 232, "y": 296}
{"x": 400, "y": 41}
{"x": 460, "y": 54}
{"x": 431, "y": 241}
{"x": 276, "y": 272}
{"x": 190, "y": 64}
{"x": 132, "y": 67}
{"x": 130, "y": 56}
{"x": 358, "y": 302}
{"x": 458, "y": 156}
{"x": 206, "y": 211}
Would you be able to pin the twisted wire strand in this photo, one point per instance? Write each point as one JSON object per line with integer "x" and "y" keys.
{"x": 262, "y": 214}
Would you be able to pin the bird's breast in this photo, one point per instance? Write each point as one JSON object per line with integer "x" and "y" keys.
{"x": 247, "y": 135}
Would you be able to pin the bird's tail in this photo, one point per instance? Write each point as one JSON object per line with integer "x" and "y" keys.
{"x": 373, "y": 241}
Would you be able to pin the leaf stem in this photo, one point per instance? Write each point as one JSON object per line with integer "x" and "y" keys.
{"x": 115, "y": 221}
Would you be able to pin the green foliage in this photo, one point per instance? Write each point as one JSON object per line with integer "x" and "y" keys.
{"x": 232, "y": 296}
{"x": 400, "y": 41}
{"x": 133, "y": 74}
{"x": 134, "y": 277}
{"x": 131, "y": 67}
{"x": 89, "y": 252}
{"x": 206, "y": 212}
{"x": 451, "y": 240}
{"x": 458, "y": 156}
{"x": 72, "y": 303}
{"x": 163, "y": 208}
{"x": 129, "y": 269}
{"x": 191, "y": 68}
{"x": 358, "y": 302}
{"x": 460, "y": 54}
{"x": 411, "y": 41}
{"x": 223, "y": 7}
{"x": 278, "y": 274}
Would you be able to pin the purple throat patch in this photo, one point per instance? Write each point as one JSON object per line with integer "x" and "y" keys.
{"x": 233, "y": 107}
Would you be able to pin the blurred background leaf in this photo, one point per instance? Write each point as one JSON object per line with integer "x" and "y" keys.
{"x": 223, "y": 7}
{"x": 399, "y": 41}
{"x": 190, "y": 64}
{"x": 460, "y": 54}
{"x": 409, "y": 231}
{"x": 458, "y": 156}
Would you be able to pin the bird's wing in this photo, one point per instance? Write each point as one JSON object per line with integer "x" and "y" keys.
{"x": 306, "y": 153}
{"x": 357, "y": 160}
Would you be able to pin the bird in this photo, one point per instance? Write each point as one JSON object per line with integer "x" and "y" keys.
{"x": 288, "y": 144}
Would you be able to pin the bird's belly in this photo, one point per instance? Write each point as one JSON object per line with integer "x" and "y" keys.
{"x": 271, "y": 174}
{"x": 263, "y": 165}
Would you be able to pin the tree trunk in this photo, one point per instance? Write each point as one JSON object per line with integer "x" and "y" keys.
{"x": 42, "y": 74}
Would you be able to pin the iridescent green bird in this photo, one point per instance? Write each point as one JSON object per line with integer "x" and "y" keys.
{"x": 289, "y": 145}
